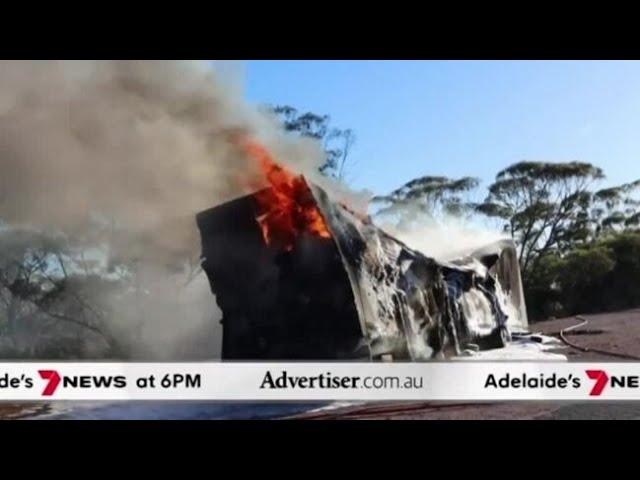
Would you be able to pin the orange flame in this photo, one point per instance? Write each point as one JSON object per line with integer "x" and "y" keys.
{"x": 287, "y": 209}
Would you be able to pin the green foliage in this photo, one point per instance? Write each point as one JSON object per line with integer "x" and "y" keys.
{"x": 544, "y": 297}
{"x": 544, "y": 206}
{"x": 577, "y": 249}
{"x": 623, "y": 284}
{"x": 601, "y": 276}
{"x": 582, "y": 266}
{"x": 615, "y": 209}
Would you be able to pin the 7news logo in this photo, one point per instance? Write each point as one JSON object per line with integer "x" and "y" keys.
{"x": 54, "y": 379}
{"x": 602, "y": 380}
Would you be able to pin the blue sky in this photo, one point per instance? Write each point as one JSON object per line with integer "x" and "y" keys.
{"x": 460, "y": 118}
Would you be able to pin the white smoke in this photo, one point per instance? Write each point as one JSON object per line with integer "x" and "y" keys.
{"x": 446, "y": 239}
{"x": 141, "y": 146}
{"x": 140, "y": 141}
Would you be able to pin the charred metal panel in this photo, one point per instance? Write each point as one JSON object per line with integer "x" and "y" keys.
{"x": 412, "y": 306}
{"x": 501, "y": 260}
{"x": 360, "y": 294}
{"x": 276, "y": 304}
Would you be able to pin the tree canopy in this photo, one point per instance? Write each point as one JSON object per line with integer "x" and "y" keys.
{"x": 427, "y": 198}
{"x": 545, "y": 205}
{"x": 615, "y": 208}
{"x": 572, "y": 238}
{"x": 336, "y": 142}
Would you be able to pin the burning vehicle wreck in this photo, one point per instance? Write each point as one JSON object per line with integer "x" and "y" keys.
{"x": 298, "y": 276}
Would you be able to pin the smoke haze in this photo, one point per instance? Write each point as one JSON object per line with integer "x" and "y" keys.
{"x": 141, "y": 146}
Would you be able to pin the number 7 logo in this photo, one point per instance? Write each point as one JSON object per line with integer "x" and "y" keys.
{"x": 601, "y": 378}
{"x": 54, "y": 381}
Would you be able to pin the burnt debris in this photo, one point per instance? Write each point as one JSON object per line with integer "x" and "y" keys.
{"x": 357, "y": 294}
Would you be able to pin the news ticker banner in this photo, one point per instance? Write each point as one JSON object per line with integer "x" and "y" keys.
{"x": 319, "y": 381}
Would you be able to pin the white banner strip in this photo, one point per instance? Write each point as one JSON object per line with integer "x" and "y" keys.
{"x": 319, "y": 381}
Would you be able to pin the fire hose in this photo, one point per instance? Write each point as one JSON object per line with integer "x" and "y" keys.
{"x": 583, "y": 322}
